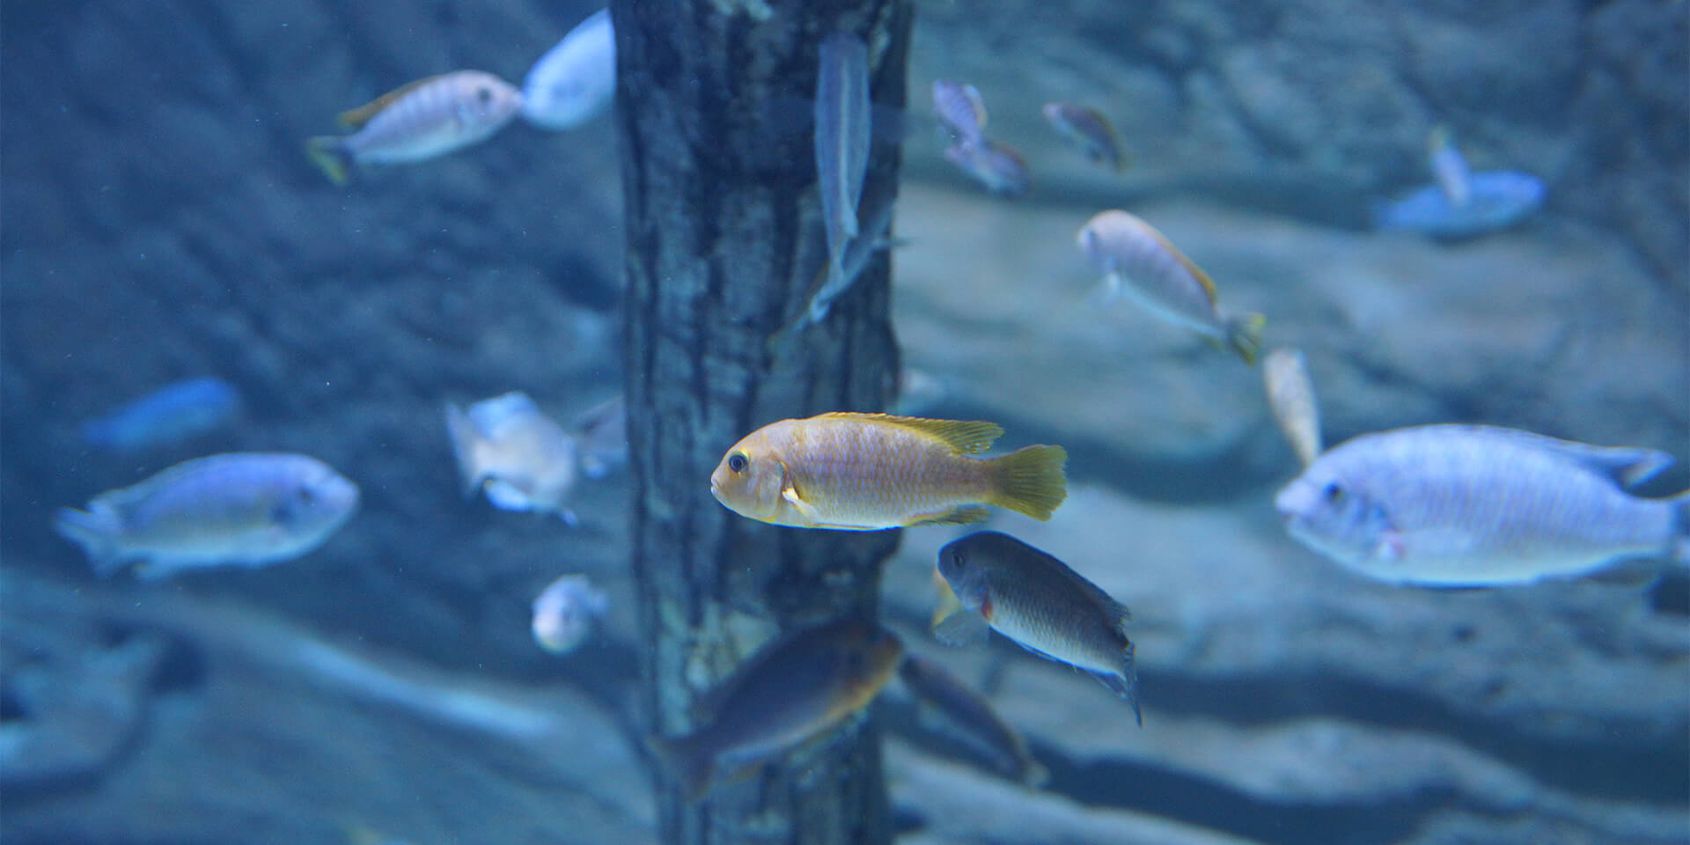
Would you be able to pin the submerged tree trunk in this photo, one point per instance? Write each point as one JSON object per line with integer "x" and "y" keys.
{"x": 724, "y": 240}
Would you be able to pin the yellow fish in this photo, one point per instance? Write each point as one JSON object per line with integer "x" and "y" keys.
{"x": 867, "y": 472}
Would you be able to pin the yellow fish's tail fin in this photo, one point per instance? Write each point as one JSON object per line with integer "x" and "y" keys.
{"x": 329, "y": 153}
{"x": 1244, "y": 335}
{"x": 1030, "y": 480}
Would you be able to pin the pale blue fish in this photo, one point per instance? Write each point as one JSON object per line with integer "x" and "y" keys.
{"x": 521, "y": 458}
{"x": 998, "y": 167}
{"x": 842, "y": 127}
{"x": 1468, "y": 506}
{"x": 575, "y": 81}
{"x": 961, "y": 111}
{"x": 1449, "y": 167}
{"x": 565, "y": 613}
{"x": 178, "y": 411}
{"x": 238, "y": 509}
{"x": 1497, "y": 199}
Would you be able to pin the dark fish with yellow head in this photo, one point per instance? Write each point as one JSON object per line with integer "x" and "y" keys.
{"x": 790, "y": 692}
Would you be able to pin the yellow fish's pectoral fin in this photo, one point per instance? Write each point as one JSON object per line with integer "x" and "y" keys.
{"x": 963, "y": 515}
{"x": 356, "y": 118}
{"x": 966, "y": 436}
{"x": 790, "y": 494}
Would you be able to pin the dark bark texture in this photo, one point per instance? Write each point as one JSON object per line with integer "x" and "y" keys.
{"x": 724, "y": 240}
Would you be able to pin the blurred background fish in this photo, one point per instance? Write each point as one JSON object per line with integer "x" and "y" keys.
{"x": 565, "y": 613}
{"x": 419, "y": 121}
{"x": 997, "y": 167}
{"x": 236, "y": 509}
{"x": 1089, "y": 131}
{"x": 178, "y": 411}
{"x": 866, "y": 472}
{"x": 1040, "y": 604}
{"x": 520, "y": 457}
{"x": 1290, "y": 395}
{"x": 1461, "y": 203}
{"x": 794, "y": 689}
{"x": 961, "y": 112}
{"x": 1138, "y": 260}
{"x": 601, "y": 437}
{"x": 575, "y": 81}
{"x": 1469, "y": 506}
{"x": 1449, "y": 166}
{"x": 965, "y": 714}
{"x": 841, "y": 143}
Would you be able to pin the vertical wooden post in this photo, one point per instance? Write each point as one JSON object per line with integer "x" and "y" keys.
{"x": 724, "y": 238}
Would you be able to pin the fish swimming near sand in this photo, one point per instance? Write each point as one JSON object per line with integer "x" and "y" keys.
{"x": 867, "y": 472}
{"x": 1474, "y": 506}
{"x": 998, "y": 582}
{"x": 796, "y": 689}
{"x": 1139, "y": 261}
{"x": 417, "y": 122}
{"x": 238, "y": 509}
{"x": 575, "y": 81}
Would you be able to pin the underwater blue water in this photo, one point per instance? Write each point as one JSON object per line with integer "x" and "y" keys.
{"x": 455, "y": 657}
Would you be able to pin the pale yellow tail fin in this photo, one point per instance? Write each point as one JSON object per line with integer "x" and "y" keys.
{"x": 329, "y": 154}
{"x": 1030, "y": 480}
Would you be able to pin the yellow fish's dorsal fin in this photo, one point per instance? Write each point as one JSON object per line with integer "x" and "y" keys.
{"x": 968, "y": 437}
{"x": 1189, "y": 265}
{"x": 356, "y": 118}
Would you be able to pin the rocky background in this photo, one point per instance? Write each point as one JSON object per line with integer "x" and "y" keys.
{"x": 159, "y": 221}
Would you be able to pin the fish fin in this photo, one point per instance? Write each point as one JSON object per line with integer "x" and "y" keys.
{"x": 1244, "y": 335}
{"x": 356, "y": 118}
{"x": 97, "y": 531}
{"x": 1030, "y": 480}
{"x": 790, "y": 494}
{"x": 1124, "y": 684}
{"x": 691, "y": 767}
{"x": 465, "y": 440}
{"x": 330, "y": 155}
{"x": 947, "y": 602}
{"x": 961, "y": 628}
{"x": 1627, "y": 466}
{"x": 964, "y": 515}
{"x": 968, "y": 437}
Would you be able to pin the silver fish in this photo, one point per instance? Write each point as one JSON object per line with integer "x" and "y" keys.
{"x": 523, "y": 459}
{"x": 574, "y": 81}
{"x": 1459, "y": 505}
{"x": 419, "y": 121}
{"x": 236, "y": 509}
{"x": 564, "y": 613}
{"x": 961, "y": 111}
{"x": 1291, "y": 398}
{"x": 1140, "y": 261}
{"x": 841, "y": 140}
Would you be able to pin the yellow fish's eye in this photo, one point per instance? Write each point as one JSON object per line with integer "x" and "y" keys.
{"x": 737, "y": 462}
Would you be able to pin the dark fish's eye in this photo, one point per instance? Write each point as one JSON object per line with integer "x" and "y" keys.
{"x": 737, "y": 462}
{"x": 485, "y": 95}
{"x": 1332, "y": 492}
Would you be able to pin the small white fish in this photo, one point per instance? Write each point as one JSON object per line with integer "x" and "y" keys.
{"x": 565, "y": 613}
{"x": 520, "y": 457}
{"x": 1469, "y": 506}
{"x": 1291, "y": 397}
{"x": 1449, "y": 167}
{"x": 575, "y": 81}
{"x": 841, "y": 142}
{"x": 236, "y": 509}
{"x": 1140, "y": 261}
{"x": 419, "y": 121}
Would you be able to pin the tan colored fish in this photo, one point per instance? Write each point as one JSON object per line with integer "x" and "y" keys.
{"x": 792, "y": 691}
{"x": 1291, "y": 398}
{"x": 866, "y": 472}
{"x": 1137, "y": 259}
{"x": 419, "y": 121}
{"x": 1089, "y": 130}
{"x": 967, "y": 714}
{"x": 1037, "y": 601}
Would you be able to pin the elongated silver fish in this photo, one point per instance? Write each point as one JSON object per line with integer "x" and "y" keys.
{"x": 1460, "y": 505}
{"x": 1140, "y": 261}
{"x": 419, "y": 121}
{"x": 842, "y": 140}
{"x": 1291, "y": 398}
{"x": 236, "y": 509}
{"x": 1038, "y": 602}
